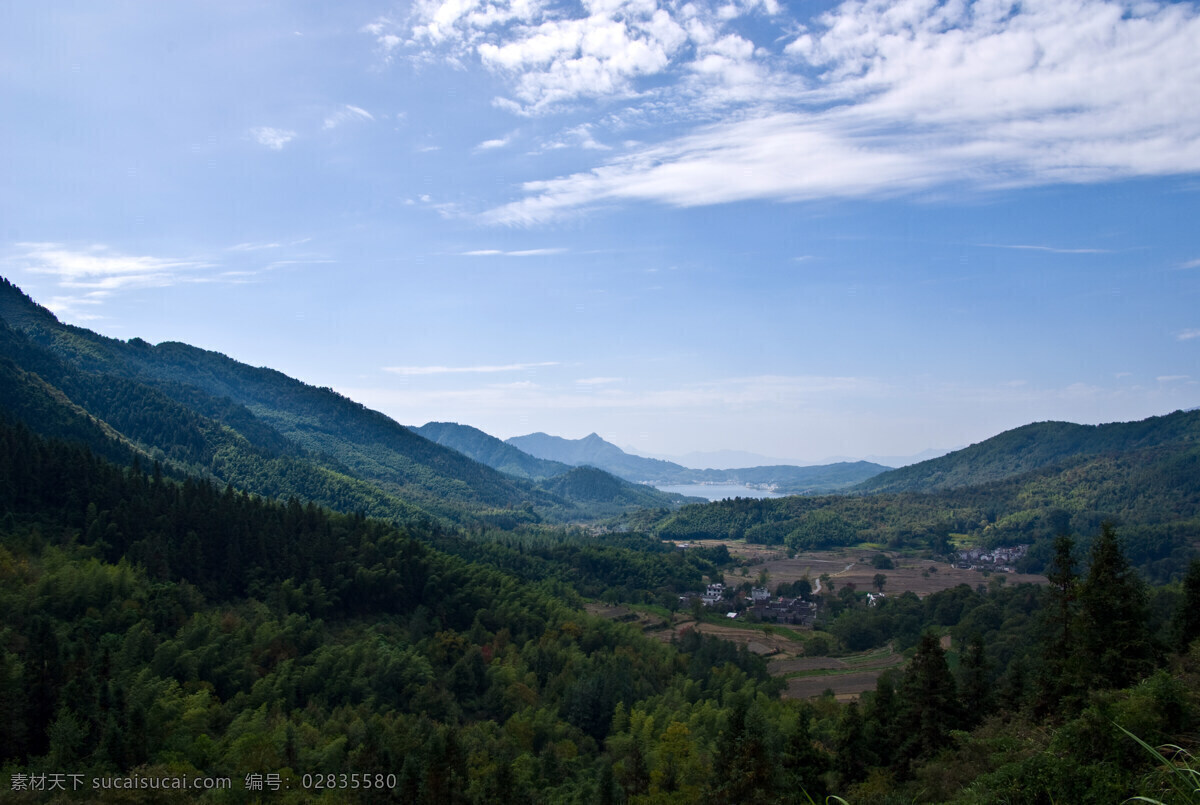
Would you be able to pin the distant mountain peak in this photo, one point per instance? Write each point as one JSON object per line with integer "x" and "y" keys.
{"x": 595, "y": 451}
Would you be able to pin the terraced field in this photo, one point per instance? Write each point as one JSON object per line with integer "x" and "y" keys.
{"x": 784, "y": 649}
{"x": 847, "y": 676}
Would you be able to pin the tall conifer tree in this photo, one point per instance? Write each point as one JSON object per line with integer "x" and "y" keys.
{"x": 1116, "y": 648}
{"x": 1187, "y": 617}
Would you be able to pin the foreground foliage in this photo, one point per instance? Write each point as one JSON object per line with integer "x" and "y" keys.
{"x": 172, "y": 627}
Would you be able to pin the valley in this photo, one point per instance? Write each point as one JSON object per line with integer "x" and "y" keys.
{"x": 198, "y": 556}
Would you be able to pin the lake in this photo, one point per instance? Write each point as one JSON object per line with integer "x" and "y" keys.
{"x": 718, "y": 491}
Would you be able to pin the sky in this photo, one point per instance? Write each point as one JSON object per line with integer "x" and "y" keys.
{"x": 803, "y": 229}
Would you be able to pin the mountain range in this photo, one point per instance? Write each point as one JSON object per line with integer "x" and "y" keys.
{"x": 594, "y": 451}
{"x": 733, "y": 459}
{"x": 201, "y": 413}
{"x": 192, "y": 412}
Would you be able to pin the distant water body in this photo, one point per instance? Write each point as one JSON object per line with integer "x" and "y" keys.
{"x": 718, "y": 491}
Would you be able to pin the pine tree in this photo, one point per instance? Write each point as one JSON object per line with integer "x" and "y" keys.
{"x": 1058, "y": 685}
{"x": 1187, "y": 618}
{"x": 854, "y": 754}
{"x": 974, "y": 682}
{"x": 1115, "y": 646}
{"x": 928, "y": 704}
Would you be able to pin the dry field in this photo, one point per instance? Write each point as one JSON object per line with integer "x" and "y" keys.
{"x": 845, "y": 687}
{"x": 921, "y": 576}
{"x": 847, "y": 677}
{"x": 806, "y": 676}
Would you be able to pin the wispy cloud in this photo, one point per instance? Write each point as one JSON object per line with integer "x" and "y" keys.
{"x": 347, "y": 114}
{"x": 1051, "y": 249}
{"x": 446, "y": 370}
{"x": 869, "y": 99}
{"x": 99, "y": 268}
{"x": 87, "y": 276}
{"x": 784, "y": 157}
{"x": 580, "y": 136}
{"x": 1190, "y": 264}
{"x": 1171, "y": 378}
{"x": 491, "y": 145}
{"x": 517, "y": 253}
{"x": 1188, "y": 335}
{"x": 272, "y": 138}
{"x": 254, "y": 247}
{"x": 597, "y": 381}
{"x": 736, "y": 392}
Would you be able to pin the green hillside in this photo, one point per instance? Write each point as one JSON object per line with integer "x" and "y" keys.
{"x": 1034, "y": 446}
{"x": 1151, "y": 493}
{"x": 489, "y": 450}
{"x": 165, "y": 629}
{"x": 200, "y": 412}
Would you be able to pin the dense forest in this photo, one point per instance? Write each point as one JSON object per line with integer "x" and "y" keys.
{"x": 173, "y": 627}
{"x": 208, "y": 569}
{"x": 1151, "y": 491}
{"x": 204, "y": 414}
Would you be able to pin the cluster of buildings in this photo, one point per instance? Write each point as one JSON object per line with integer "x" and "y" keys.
{"x": 1000, "y": 560}
{"x": 759, "y": 603}
{"x": 795, "y": 611}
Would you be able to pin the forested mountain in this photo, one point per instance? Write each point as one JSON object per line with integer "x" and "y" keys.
{"x": 594, "y": 451}
{"x": 162, "y": 629}
{"x": 204, "y": 413}
{"x": 1034, "y": 446}
{"x": 1152, "y": 493}
{"x": 160, "y": 622}
{"x": 489, "y": 450}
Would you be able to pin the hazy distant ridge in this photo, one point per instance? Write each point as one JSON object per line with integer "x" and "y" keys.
{"x": 489, "y": 450}
{"x": 594, "y": 451}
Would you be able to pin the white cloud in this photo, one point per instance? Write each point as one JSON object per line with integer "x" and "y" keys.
{"x": 597, "y": 381}
{"x": 275, "y": 139}
{"x": 100, "y": 269}
{"x": 254, "y": 247}
{"x": 579, "y": 137}
{"x": 783, "y": 157}
{"x": 1188, "y": 335}
{"x": 871, "y": 99}
{"x": 1051, "y": 249}
{"x": 444, "y": 370}
{"x": 489, "y": 145}
{"x": 347, "y": 114}
{"x": 88, "y": 276}
{"x": 554, "y": 52}
{"x": 1191, "y": 264}
{"x": 518, "y": 253}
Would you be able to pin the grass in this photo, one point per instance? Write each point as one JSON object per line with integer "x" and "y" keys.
{"x": 855, "y": 664}
{"x": 961, "y": 541}
{"x": 1175, "y": 774}
{"x": 652, "y": 609}
{"x": 824, "y": 672}
{"x": 868, "y": 657}
{"x": 795, "y": 635}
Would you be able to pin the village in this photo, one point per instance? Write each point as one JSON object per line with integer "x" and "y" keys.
{"x": 757, "y": 605}
{"x": 997, "y": 560}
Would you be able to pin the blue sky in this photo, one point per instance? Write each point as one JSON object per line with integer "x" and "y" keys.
{"x": 798, "y": 229}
